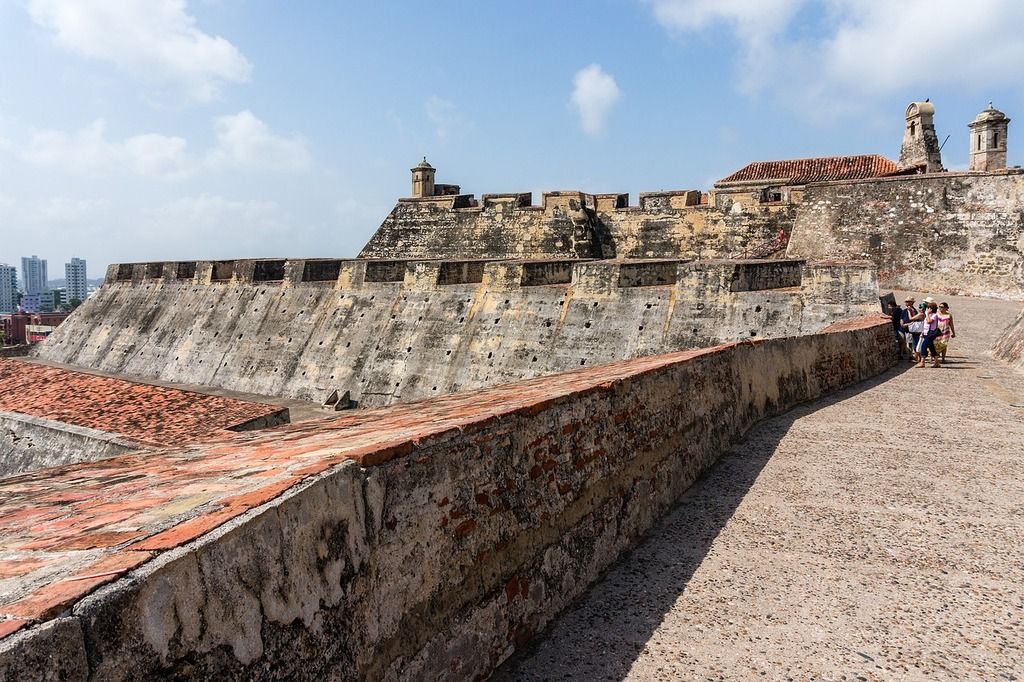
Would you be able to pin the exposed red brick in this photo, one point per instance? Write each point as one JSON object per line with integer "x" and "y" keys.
{"x": 52, "y": 599}
{"x": 187, "y": 531}
{"x": 147, "y": 414}
{"x": 9, "y": 627}
{"x": 12, "y": 568}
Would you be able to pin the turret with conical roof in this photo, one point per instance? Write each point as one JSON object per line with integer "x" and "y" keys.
{"x": 988, "y": 140}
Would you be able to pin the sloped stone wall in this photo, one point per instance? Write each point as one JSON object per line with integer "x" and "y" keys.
{"x": 438, "y": 552}
{"x": 390, "y": 331}
{"x": 1010, "y": 346}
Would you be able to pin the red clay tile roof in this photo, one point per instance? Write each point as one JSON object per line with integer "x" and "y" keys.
{"x": 803, "y": 171}
{"x": 152, "y": 415}
{"x": 67, "y": 530}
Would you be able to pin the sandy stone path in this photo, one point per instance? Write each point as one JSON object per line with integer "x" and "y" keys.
{"x": 874, "y": 535}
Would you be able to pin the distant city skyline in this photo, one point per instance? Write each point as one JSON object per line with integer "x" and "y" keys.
{"x": 174, "y": 130}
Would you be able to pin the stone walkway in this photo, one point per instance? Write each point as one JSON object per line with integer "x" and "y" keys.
{"x": 874, "y": 535}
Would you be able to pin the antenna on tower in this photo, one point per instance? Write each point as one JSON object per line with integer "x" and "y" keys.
{"x": 944, "y": 143}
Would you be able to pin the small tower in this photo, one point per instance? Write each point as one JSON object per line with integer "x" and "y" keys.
{"x": 920, "y": 143}
{"x": 423, "y": 179}
{"x": 988, "y": 140}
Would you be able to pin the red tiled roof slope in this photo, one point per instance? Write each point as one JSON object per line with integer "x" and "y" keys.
{"x": 803, "y": 171}
{"x": 153, "y": 415}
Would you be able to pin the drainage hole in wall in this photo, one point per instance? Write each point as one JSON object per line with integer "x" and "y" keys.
{"x": 583, "y": 361}
{"x": 586, "y": 325}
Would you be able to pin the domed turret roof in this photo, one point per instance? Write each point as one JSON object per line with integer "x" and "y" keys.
{"x": 423, "y": 165}
{"x": 990, "y": 114}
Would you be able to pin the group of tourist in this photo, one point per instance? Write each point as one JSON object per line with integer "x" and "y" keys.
{"x": 924, "y": 330}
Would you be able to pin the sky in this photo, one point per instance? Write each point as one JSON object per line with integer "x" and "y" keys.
{"x": 141, "y": 130}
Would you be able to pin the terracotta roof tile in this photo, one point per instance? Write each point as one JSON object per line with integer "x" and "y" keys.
{"x": 803, "y": 171}
{"x": 153, "y": 415}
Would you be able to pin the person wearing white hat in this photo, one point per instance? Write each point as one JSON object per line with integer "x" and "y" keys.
{"x": 913, "y": 324}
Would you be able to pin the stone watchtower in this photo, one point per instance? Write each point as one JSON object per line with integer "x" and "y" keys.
{"x": 988, "y": 140}
{"x": 920, "y": 143}
{"x": 423, "y": 179}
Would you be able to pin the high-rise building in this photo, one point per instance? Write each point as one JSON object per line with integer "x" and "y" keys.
{"x": 8, "y": 288}
{"x": 75, "y": 281}
{"x": 33, "y": 275}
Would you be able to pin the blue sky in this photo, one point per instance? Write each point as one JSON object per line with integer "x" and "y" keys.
{"x": 165, "y": 129}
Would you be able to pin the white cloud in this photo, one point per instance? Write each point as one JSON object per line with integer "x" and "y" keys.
{"x": 445, "y": 116}
{"x": 827, "y": 59}
{"x": 148, "y": 38}
{"x": 88, "y": 150}
{"x": 244, "y": 142}
{"x": 205, "y": 212}
{"x": 594, "y": 94}
{"x": 67, "y": 209}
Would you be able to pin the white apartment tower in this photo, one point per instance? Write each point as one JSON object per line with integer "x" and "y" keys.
{"x": 33, "y": 275}
{"x": 75, "y": 283}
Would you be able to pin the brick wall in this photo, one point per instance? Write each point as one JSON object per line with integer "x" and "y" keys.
{"x": 451, "y": 531}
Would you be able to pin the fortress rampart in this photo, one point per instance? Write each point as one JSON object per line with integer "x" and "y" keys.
{"x": 374, "y": 332}
{"x": 294, "y": 562}
{"x": 575, "y": 224}
{"x": 944, "y": 232}
{"x": 957, "y": 233}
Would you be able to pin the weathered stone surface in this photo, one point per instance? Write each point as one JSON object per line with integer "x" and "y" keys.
{"x": 1010, "y": 345}
{"x": 52, "y": 652}
{"x": 578, "y": 225}
{"x": 389, "y": 331}
{"x": 950, "y": 233}
{"x": 28, "y": 443}
{"x": 441, "y": 558}
{"x": 829, "y": 545}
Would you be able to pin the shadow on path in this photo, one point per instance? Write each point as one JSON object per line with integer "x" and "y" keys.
{"x": 610, "y": 624}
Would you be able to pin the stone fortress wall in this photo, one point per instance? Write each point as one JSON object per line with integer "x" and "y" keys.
{"x": 575, "y": 224}
{"x": 955, "y": 233}
{"x": 374, "y": 332}
{"x": 1010, "y": 346}
{"x": 508, "y": 502}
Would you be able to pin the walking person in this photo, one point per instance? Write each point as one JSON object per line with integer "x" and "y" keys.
{"x": 946, "y": 330}
{"x": 931, "y": 331}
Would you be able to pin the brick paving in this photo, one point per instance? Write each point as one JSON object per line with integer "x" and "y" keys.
{"x": 876, "y": 534}
{"x": 65, "y": 531}
{"x": 151, "y": 415}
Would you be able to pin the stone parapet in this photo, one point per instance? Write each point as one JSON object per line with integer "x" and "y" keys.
{"x": 421, "y": 541}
